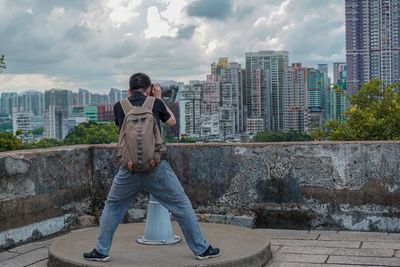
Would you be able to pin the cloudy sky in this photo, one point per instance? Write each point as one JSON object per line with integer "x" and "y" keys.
{"x": 97, "y": 44}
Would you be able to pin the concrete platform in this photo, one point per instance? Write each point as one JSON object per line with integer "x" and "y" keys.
{"x": 239, "y": 246}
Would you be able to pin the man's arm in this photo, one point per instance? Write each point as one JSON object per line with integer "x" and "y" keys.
{"x": 157, "y": 93}
{"x": 171, "y": 122}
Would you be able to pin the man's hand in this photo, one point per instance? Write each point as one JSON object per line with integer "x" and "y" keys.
{"x": 157, "y": 90}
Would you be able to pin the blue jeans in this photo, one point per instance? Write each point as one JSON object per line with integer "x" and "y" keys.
{"x": 163, "y": 184}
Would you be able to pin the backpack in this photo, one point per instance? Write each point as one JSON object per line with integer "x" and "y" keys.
{"x": 140, "y": 142}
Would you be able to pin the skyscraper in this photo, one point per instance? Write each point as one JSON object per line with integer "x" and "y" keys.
{"x": 323, "y": 68}
{"x": 210, "y": 95}
{"x": 264, "y": 87}
{"x": 210, "y": 103}
{"x": 114, "y": 95}
{"x": 55, "y": 123}
{"x": 31, "y": 102}
{"x": 339, "y": 99}
{"x": 339, "y": 72}
{"x": 58, "y": 105}
{"x": 314, "y": 109}
{"x": 8, "y": 101}
{"x": 83, "y": 97}
{"x": 61, "y": 100}
{"x": 229, "y": 74}
{"x": 372, "y": 41}
{"x": 294, "y": 101}
{"x": 190, "y": 105}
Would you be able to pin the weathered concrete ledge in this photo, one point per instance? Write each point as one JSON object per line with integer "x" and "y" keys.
{"x": 306, "y": 185}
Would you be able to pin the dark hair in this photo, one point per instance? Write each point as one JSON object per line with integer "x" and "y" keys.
{"x": 139, "y": 81}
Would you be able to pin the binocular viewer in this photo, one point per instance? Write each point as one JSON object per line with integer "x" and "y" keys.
{"x": 168, "y": 92}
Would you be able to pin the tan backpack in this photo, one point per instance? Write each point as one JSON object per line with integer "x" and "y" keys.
{"x": 140, "y": 142}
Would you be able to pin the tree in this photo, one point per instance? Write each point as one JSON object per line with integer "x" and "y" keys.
{"x": 373, "y": 114}
{"x": 44, "y": 143}
{"x": 93, "y": 133}
{"x": 8, "y": 141}
{"x": 169, "y": 138}
{"x": 186, "y": 139}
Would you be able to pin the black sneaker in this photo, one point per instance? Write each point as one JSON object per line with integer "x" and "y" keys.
{"x": 95, "y": 256}
{"x": 209, "y": 253}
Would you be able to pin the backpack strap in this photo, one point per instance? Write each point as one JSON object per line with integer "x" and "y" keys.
{"x": 149, "y": 102}
{"x": 126, "y": 105}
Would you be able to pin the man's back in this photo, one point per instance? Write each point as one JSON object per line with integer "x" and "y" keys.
{"x": 137, "y": 99}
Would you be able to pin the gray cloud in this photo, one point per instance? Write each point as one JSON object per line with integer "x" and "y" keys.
{"x": 210, "y": 9}
{"x": 241, "y": 12}
{"x": 186, "y": 32}
{"x": 80, "y": 42}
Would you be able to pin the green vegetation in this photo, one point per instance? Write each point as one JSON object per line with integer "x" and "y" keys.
{"x": 170, "y": 139}
{"x": 85, "y": 133}
{"x": 266, "y": 136}
{"x": 8, "y": 141}
{"x": 93, "y": 133}
{"x": 374, "y": 114}
{"x": 184, "y": 139}
{"x": 43, "y": 143}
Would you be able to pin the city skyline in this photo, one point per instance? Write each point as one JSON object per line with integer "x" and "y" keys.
{"x": 97, "y": 46}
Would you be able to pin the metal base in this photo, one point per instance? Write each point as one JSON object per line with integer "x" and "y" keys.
{"x": 158, "y": 229}
{"x": 144, "y": 241}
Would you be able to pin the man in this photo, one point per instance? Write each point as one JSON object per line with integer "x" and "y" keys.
{"x": 161, "y": 183}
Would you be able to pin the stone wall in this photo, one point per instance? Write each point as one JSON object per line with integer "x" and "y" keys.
{"x": 352, "y": 185}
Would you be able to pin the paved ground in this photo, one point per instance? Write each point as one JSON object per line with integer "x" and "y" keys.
{"x": 290, "y": 247}
{"x": 332, "y": 248}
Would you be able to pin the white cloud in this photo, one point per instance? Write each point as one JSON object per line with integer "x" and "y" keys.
{"x": 174, "y": 12}
{"x": 157, "y": 25}
{"x": 121, "y": 11}
{"x": 38, "y": 82}
{"x": 56, "y": 12}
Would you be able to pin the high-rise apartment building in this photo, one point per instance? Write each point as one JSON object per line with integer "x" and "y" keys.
{"x": 264, "y": 87}
{"x": 210, "y": 95}
{"x": 114, "y": 95}
{"x": 229, "y": 74}
{"x": 58, "y": 105}
{"x": 372, "y": 41}
{"x": 83, "y": 97}
{"x": 99, "y": 99}
{"x": 31, "y": 102}
{"x": 22, "y": 122}
{"x": 55, "y": 123}
{"x": 294, "y": 98}
{"x": 339, "y": 99}
{"x": 323, "y": 68}
{"x": 190, "y": 106}
{"x": 314, "y": 107}
{"x": 339, "y": 72}
{"x": 8, "y": 101}
{"x": 59, "y": 98}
